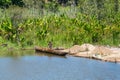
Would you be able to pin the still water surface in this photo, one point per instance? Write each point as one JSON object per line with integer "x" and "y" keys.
{"x": 45, "y": 67}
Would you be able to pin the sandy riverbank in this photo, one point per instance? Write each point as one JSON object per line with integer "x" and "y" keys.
{"x": 103, "y": 53}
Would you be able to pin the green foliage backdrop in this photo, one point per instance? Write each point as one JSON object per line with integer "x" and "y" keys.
{"x": 37, "y": 22}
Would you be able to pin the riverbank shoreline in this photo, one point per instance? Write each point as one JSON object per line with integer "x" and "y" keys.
{"x": 103, "y": 53}
{"x": 97, "y": 52}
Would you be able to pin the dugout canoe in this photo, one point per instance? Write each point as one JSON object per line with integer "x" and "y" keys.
{"x": 51, "y": 51}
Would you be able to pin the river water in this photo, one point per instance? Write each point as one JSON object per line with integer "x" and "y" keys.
{"x": 49, "y": 67}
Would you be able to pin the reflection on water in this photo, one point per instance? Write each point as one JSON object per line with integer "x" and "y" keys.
{"x": 16, "y": 53}
{"x": 48, "y": 54}
{"x": 46, "y": 67}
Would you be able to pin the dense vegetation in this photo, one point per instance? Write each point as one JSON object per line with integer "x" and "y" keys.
{"x": 64, "y": 22}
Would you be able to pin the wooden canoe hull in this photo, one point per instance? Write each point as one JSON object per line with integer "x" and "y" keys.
{"x": 51, "y": 51}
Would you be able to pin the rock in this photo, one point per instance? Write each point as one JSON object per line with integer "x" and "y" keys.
{"x": 103, "y": 53}
{"x": 115, "y": 50}
{"x": 88, "y": 47}
{"x": 101, "y": 50}
{"x": 76, "y": 49}
{"x": 112, "y": 58}
{"x": 83, "y": 48}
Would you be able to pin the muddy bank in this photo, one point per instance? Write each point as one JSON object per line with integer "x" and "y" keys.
{"x": 103, "y": 53}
